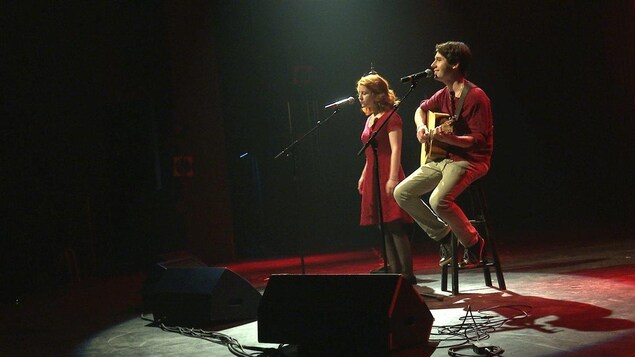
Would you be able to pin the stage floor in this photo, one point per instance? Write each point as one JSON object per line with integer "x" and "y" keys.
{"x": 577, "y": 296}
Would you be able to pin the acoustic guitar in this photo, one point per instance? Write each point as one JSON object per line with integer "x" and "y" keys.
{"x": 433, "y": 150}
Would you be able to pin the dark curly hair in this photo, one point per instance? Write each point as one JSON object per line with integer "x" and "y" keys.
{"x": 456, "y": 52}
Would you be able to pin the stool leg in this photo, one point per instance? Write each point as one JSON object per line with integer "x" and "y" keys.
{"x": 486, "y": 273}
{"x": 444, "y": 277}
{"x": 455, "y": 265}
{"x": 488, "y": 242}
{"x": 491, "y": 242}
{"x": 497, "y": 265}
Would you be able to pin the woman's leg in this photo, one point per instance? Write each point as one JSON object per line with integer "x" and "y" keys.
{"x": 403, "y": 251}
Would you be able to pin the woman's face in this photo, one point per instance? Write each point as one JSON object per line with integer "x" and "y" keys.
{"x": 366, "y": 97}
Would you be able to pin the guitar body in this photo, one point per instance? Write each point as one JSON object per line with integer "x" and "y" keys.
{"x": 434, "y": 150}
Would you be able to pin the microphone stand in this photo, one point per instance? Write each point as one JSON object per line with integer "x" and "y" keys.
{"x": 373, "y": 144}
{"x": 288, "y": 151}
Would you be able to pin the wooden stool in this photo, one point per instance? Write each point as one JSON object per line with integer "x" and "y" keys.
{"x": 490, "y": 255}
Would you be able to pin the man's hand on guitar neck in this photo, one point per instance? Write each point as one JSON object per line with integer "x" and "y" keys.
{"x": 439, "y": 133}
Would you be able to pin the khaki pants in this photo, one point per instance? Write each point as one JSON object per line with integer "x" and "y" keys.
{"x": 446, "y": 179}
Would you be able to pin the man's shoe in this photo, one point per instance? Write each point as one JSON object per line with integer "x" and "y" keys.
{"x": 473, "y": 255}
{"x": 445, "y": 250}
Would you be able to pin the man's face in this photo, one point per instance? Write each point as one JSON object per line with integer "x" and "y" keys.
{"x": 441, "y": 67}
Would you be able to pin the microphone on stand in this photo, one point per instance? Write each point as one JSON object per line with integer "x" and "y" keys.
{"x": 339, "y": 103}
{"x": 428, "y": 73}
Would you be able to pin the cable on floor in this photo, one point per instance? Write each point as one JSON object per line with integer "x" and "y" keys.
{"x": 235, "y": 347}
{"x": 474, "y": 329}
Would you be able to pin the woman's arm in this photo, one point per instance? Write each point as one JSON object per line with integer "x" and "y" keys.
{"x": 394, "y": 138}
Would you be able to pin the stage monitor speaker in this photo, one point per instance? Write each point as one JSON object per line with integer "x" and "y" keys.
{"x": 155, "y": 272}
{"x": 356, "y": 315}
{"x": 202, "y": 296}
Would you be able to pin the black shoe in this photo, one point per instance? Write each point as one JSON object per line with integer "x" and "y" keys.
{"x": 473, "y": 255}
{"x": 445, "y": 249}
{"x": 381, "y": 270}
{"x": 410, "y": 279}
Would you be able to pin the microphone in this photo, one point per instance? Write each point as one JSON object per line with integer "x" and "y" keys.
{"x": 336, "y": 105}
{"x": 428, "y": 73}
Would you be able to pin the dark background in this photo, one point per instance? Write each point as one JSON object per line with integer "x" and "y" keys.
{"x": 100, "y": 97}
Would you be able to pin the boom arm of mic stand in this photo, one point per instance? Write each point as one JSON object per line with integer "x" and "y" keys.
{"x": 300, "y": 139}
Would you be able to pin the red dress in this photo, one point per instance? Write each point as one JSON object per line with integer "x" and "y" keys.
{"x": 390, "y": 210}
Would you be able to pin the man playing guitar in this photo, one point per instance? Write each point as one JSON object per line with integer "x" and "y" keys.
{"x": 468, "y": 144}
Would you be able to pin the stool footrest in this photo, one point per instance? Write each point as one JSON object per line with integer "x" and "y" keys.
{"x": 481, "y": 265}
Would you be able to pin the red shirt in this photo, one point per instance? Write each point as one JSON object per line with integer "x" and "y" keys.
{"x": 475, "y": 120}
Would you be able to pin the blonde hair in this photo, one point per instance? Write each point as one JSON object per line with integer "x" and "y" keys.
{"x": 384, "y": 96}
